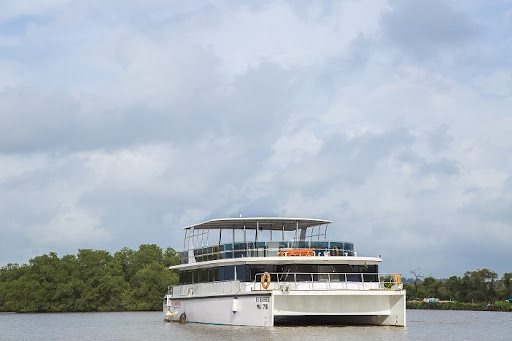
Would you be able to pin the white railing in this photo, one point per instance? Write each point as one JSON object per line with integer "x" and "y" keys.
{"x": 328, "y": 281}
{"x": 289, "y": 281}
{"x": 211, "y": 288}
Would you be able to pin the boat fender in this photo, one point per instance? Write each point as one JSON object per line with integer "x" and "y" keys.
{"x": 183, "y": 318}
{"x": 168, "y": 315}
{"x": 234, "y": 306}
{"x": 265, "y": 280}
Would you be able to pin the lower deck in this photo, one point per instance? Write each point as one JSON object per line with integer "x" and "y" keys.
{"x": 324, "y": 299}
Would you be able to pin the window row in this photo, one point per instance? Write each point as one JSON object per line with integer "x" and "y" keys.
{"x": 267, "y": 249}
{"x": 283, "y": 272}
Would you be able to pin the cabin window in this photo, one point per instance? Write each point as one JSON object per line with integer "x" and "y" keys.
{"x": 240, "y": 273}
{"x": 186, "y": 277}
{"x": 213, "y": 274}
{"x": 254, "y": 272}
{"x": 324, "y": 273}
{"x": 202, "y": 275}
{"x": 226, "y": 273}
{"x": 287, "y": 272}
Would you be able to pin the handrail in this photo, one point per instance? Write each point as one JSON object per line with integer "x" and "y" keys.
{"x": 385, "y": 280}
{"x": 204, "y": 288}
{"x": 290, "y": 281}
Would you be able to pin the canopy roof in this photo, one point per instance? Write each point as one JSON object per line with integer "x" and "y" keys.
{"x": 288, "y": 224}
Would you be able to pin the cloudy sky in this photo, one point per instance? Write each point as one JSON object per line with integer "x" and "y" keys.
{"x": 122, "y": 121}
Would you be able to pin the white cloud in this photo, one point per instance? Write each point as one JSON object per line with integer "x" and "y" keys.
{"x": 295, "y": 147}
{"x": 276, "y": 33}
{"x": 12, "y": 9}
{"x": 130, "y": 169}
{"x": 498, "y": 83}
{"x": 71, "y": 226}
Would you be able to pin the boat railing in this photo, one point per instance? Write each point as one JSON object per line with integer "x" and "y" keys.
{"x": 207, "y": 288}
{"x": 292, "y": 281}
{"x": 327, "y": 281}
{"x": 270, "y": 249}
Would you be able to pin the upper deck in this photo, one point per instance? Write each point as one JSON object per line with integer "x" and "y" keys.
{"x": 260, "y": 237}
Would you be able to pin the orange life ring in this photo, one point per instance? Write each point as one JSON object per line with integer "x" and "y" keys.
{"x": 265, "y": 280}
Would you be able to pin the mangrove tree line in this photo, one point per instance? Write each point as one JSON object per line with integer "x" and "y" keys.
{"x": 91, "y": 280}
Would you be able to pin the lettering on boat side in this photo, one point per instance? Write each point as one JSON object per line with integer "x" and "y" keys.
{"x": 261, "y": 299}
{"x": 176, "y": 305}
{"x": 262, "y": 302}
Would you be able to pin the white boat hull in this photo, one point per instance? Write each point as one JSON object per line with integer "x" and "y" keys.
{"x": 219, "y": 310}
{"x": 267, "y": 308}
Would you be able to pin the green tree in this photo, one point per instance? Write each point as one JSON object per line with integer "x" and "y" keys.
{"x": 505, "y": 289}
{"x": 124, "y": 263}
{"x": 478, "y": 286}
{"x": 430, "y": 287}
{"x": 452, "y": 288}
{"x": 171, "y": 257}
{"x": 94, "y": 271}
{"x": 147, "y": 254}
{"x": 150, "y": 285}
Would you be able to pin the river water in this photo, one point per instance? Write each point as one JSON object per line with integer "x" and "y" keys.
{"x": 421, "y": 325}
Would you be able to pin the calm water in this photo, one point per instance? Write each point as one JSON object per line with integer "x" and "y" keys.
{"x": 422, "y": 325}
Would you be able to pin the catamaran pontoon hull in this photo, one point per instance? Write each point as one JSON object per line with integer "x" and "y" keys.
{"x": 267, "y": 309}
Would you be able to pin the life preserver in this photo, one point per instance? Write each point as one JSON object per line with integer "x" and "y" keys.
{"x": 397, "y": 279}
{"x": 335, "y": 251}
{"x": 265, "y": 280}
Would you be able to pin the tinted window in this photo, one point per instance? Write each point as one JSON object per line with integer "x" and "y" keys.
{"x": 226, "y": 273}
{"x": 286, "y": 272}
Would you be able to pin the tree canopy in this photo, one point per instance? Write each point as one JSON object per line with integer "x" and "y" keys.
{"x": 479, "y": 286}
{"x": 91, "y": 280}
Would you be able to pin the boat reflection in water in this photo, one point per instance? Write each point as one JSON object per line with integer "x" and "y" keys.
{"x": 267, "y": 271}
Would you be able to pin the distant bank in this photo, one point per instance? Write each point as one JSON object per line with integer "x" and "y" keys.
{"x": 496, "y": 306}
{"x": 480, "y": 290}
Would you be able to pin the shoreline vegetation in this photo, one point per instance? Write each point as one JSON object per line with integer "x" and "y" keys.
{"x": 91, "y": 280}
{"x": 136, "y": 280}
{"x": 479, "y": 290}
{"x": 496, "y": 306}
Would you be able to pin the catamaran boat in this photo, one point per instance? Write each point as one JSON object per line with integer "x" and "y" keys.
{"x": 268, "y": 271}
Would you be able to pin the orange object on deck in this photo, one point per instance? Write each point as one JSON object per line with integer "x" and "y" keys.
{"x": 297, "y": 252}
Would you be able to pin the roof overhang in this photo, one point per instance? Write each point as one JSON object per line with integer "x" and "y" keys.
{"x": 268, "y": 223}
{"x": 321, "y": 260}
